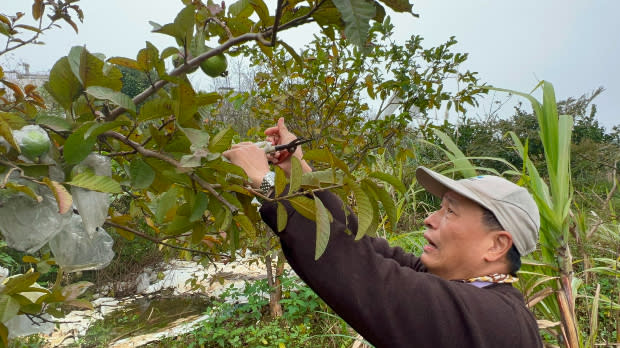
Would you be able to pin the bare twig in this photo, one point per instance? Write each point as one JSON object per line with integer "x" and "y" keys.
{"x": 221, "y": 24}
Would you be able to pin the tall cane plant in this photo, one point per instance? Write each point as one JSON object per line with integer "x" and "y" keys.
{"x": 548, "y": 276}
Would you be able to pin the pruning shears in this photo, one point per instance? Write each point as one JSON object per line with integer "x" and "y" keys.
{"x": 268, "y": 147}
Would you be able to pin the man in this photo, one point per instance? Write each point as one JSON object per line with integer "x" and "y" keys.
{"x": 458, "y": 293}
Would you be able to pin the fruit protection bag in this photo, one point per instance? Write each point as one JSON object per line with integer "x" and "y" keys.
{"x": 27, "y": 224}
{"x": 76, "y": 249}
{"x": 91, "y": 205}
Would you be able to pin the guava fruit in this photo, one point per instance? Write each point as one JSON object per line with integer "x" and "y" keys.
{"x": 33, "y": 141}
{"x": 214, "y": 66}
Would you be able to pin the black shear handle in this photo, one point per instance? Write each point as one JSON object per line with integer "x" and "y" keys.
{"x": 292, "y": 146}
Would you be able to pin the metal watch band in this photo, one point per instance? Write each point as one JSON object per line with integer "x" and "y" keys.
{"x": 269, "y": 181}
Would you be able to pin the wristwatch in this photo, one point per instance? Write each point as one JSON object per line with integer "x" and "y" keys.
{"x": 268, "y": 183}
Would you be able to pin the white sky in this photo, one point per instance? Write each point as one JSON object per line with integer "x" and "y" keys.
{"x": 511, "y": 44}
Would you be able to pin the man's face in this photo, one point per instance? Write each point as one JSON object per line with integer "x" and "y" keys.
{"x": 457, "y": 239}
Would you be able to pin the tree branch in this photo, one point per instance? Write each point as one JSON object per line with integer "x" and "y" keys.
{"x": 149, "y": 153}
{"x": 157, "y": 241}
{"x": 274, "y": 29}
{"x": 197, "y": 60}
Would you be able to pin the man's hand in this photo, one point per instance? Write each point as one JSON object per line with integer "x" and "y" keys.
{"x": 279, "y": 135}
{"x": 251, "y": 159}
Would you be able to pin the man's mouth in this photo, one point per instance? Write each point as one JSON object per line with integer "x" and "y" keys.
{"x": 431, "y": 246}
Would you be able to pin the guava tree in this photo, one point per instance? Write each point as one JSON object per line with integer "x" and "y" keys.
{"x": 165, "y": 153}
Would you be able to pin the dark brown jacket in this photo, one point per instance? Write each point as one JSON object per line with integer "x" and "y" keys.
{"x": 388, "y": 297}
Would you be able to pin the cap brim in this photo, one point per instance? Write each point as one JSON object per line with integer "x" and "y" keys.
{"x": 438, "y": 185}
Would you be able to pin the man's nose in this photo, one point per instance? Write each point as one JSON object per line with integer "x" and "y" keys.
{"x": 429, "y": 222}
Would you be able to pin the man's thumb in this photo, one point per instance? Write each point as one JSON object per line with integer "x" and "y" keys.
{"x": 281, "y": 125}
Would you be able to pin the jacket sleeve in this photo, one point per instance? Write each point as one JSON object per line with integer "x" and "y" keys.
{"x": 384, "y": 293}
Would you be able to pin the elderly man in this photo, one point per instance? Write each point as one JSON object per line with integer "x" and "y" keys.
{"x": 458, "y": 293}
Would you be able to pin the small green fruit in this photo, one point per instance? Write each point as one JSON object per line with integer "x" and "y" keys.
{"x": 214, "y": 66}
{"x": 33, "y": 141}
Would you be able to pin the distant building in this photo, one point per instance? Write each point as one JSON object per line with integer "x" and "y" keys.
{"x": 26, "y": 77}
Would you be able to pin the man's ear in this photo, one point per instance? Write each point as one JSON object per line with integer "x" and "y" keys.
{"x": 501, "y": 243}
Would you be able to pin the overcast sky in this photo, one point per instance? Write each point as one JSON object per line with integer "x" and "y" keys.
{"x": 511, "y": 44}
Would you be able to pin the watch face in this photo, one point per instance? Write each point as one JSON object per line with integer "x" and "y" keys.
{"x": 270, "y": 178}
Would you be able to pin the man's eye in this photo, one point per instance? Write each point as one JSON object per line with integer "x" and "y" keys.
{"x": 450, "y": 211}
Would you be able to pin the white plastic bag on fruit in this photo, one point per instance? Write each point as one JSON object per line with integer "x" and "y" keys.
{"x": 75, "y": 249}
{"x": 92, "y": 205}
{"x": 27, "y": 224}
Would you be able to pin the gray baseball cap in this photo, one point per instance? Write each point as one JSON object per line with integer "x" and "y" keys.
{"x": 512, "y": 205}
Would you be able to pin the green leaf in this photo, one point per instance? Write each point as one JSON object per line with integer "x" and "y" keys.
{"x": 372, "y": 198}
{"x": 88, "y": 180}
{"x": 280, "y": 180}
{"x": 326, "y": 16}
{"x": 319, "y": 177}
{"x": 142, "y": 175}
{"x": 201, "y": 202}
{"x": 19, "y": 283}
{"x": 460, "y": 161}
{"x": 9, "y": 307}
{"x": 63, "y": 85}
{"x": 25, "y": 189}
{"x": 185, "y": 104}
{"x": 304, "y": 206}
{"x": 325, "y": 156}
{"x": 126, "y": 62}
{"x": 5, "y": 29}
{"x": 148, "y": 59}
{"x": 166, "y": 202}
{"x": 6, "y": 133}
{"x": 387, "y": 200}
{"x": 322, "y": 228}
{"x": 292, "y": 52}
{"x": 262, "y": 11}
{"x": 246, "y": 224}
{"x": 390, "y": 179}
{"x": 356, "y": 15}
{"x": 54, "y": 122}
{"x": 117, "y": 98}
{"x": 198, "y": 138}
{"x": 13, "y": 120}
{"x": 98, "y": 128}
{"x": 184, "y": 23}
{"x": 203, "y": 99}
{"x": 156, "y": 109}
{"x": 76, "y": 147}
{"x": 91, "y": 70}
{"x": 282, "y": 217}
{"x": 241, "y": 8}
{"x": 398, "y": 5}
{"x": 178, "y": 225}
{"x": 222, "y": 140}
{"x": 364, "y": 209}
{"x": 296, "y": 174}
